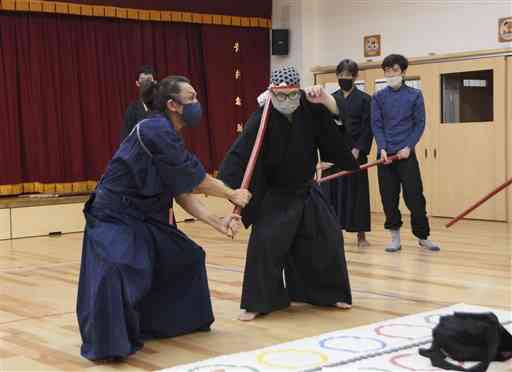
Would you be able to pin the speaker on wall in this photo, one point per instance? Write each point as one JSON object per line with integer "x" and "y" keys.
{"x": 280, "y": 42}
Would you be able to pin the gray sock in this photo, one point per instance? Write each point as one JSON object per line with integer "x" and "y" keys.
{"x": 428, "y": 244}
{"x": 395, "y": 244}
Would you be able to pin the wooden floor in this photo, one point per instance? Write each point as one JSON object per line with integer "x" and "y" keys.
{"x": 38, "y": 281}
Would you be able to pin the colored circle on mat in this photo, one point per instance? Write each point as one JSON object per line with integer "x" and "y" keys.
{"x": 292, "y": 358}
{"x": 359, "y": 344}
{"x": 415, "y": 363}
{"x": 224, "y": 368}
{"x": 398, "y": 330}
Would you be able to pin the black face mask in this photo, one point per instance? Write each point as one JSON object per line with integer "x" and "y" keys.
{"x": 346, "y": 84}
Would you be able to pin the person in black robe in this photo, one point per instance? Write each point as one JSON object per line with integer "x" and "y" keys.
{"x": 293, "y": 227}
{"x": 141, "y": 277}
{"x": 350, "y": 195}
{"x": 139, "y": 109}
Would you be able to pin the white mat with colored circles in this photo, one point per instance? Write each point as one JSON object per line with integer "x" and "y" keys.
{"x": 387, "y": 346}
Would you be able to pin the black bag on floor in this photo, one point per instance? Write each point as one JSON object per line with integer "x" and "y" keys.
{"x": 475, "y": 337}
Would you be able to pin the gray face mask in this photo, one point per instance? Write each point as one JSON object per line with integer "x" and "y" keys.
{"x": 286, "y": 107}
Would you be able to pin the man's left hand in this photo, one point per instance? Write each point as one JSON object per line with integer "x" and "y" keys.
{"x": 317, "y": 94}
{"x": 404, "y": 153}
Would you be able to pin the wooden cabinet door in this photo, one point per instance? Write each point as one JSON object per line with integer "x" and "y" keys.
{"x": 469, "y": 149}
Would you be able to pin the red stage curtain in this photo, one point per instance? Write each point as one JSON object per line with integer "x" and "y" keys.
{"x": 253, "y": 63}
{"x": 66, "y": 82}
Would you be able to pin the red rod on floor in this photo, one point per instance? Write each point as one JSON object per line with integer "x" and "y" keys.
{"x": 479, "y": 203}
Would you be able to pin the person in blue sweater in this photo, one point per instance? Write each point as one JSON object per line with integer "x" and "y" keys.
{"x": 398, "y": 122}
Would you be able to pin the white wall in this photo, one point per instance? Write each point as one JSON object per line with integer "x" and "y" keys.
{"x": 324, "y": 31}
{"x": 299, "y": 16}
{"x": 287, "y": 14}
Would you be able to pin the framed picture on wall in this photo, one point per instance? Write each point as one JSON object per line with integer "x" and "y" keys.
{"x": 505, "y": 30}
{"x": 372, "y": 46}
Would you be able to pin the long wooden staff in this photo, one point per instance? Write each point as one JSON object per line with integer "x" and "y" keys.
{"x": 246, "y": 182}
{"x": 361, "y": 168}
{"x": 479, "y": 203}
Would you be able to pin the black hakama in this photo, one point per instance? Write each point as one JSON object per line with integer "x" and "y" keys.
{"x": 141, "y": 278}
{"x": 294, "y": 228}
{"x": 350, "y": 195}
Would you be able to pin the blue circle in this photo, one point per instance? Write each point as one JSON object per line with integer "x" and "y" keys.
{"x": 324, "y": 342}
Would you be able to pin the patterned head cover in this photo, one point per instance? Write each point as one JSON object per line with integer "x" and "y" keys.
{"x": 285, "y": 74}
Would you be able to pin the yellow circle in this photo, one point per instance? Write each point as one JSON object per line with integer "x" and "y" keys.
{"x": 261, "y": 358}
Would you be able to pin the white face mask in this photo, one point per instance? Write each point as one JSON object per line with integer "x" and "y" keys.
{"x": 395, "y": 82}
{"x": 286, "y": 107}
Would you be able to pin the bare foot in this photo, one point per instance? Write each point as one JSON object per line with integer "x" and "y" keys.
{"x": 361, "y": 240}
{"x": 246, "y": 316}
{"x": 343, "y": 305}
{"x": 363, "y": 243}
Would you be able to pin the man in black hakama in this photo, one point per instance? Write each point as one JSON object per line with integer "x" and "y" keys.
{"x": 293, "y": 227}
